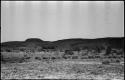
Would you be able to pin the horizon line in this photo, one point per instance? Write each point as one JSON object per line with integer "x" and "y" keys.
{"x": 60, "y": 39}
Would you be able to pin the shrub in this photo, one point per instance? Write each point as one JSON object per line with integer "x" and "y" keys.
{"x": 22, "y": 60}
{"x": 98, "y": 49}
{"x": 7, "y": 50}
{"x": 117, "y": 61}
{"x": 68, "y": 52}
{"x": 22, "y": 50}
{"x": 106, "y": 62}
{"x": 95, "y": 73}
{"x": 108, "y": 50}
{"x": 75, "y": 57}
{"x": 90, "y": 57}
{"x": 27, "y": 57}
{"x": 76, "y": 49}
{"x": 97, "y": 56}
{"x": 45, "y": 58}
{"x": 37, "y": 58}
{"x": 53, "y": 58}
{"x": 84, "y": 57}
{"x": 66, "y": 57}
{"x": 114, "y": 56}
{"x": 2, "y": 57}
{"x": 14, "y": 60}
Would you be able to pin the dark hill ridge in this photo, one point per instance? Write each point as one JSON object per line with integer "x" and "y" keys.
{"x": 34, "y": 40}
{"x": 114, "y": 42}
{"x": 12, "y": 44}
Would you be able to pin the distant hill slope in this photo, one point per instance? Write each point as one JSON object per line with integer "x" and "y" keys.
{"x": 114, "y": 42}
{"x": 117, "y": 42}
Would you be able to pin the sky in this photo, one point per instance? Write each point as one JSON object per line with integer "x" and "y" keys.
{"x": 55, "y": 20}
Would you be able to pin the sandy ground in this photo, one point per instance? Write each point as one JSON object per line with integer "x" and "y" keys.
{"x": 62, "y": 70}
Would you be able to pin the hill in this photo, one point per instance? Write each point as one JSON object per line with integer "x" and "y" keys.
{"x": 113, "y": 42}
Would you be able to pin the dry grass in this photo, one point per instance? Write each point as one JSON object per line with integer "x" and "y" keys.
{"x": 62, "y": 69}
{"x": 34, "y": 66}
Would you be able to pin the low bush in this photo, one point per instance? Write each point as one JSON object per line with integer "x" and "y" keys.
{"x": 68, "y": 52}
{"x": 2, "y": 58}
{"x": 106, "y": 62}
{"x": 97, "y": 56}
{"x": 53, "y": 58}
{"x": 37, "y": 58}
{"x": 45, "y": 58}
{"x": 117, "y": 61}
{"x": 75, "y": 57}
{"x": 83, "y": 58}
{"x": 27, "y": 57}
{"x": 14, "y": 60}
{"x": 90, "y": 57}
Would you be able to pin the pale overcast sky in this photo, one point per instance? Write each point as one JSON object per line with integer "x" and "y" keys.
{"x": 53, "y": 20}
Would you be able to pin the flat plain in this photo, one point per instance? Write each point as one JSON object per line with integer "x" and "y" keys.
{"x": 63, "y": 69}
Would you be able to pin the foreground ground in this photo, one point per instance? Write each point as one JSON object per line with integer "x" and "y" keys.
{"x": 63, "y": 69}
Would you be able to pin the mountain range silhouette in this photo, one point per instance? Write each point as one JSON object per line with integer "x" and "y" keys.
{"x": 113, "y": 42}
